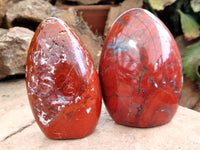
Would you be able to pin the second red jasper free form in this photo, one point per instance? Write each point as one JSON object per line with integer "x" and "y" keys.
{"x": 140, "y": 70}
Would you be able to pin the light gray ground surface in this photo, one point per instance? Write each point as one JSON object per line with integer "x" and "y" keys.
{"x": 19, "y": 131}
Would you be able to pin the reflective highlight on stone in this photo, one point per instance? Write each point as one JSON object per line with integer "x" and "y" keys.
{"x": 62, "y": 84}
{"x": 140, "y": 70}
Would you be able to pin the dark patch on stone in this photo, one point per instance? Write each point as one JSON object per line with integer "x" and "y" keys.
{"x": 23, "y": 22}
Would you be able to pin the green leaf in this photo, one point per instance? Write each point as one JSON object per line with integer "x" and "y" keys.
{"x": 160, "y": 4}
{"x": 189, "y": 26}
{"x": 191, "y": 61}
{"x": 195, "y": 4}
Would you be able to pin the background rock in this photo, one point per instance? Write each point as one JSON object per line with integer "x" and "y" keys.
{"x": 13, "y": 56}
{"x": 197, "y": 107}
{"x": 2, "y": 31}
{"x": 92, "y": 42}
{"x": 15, "y": 43}
{"x": 35, "y": 11}
{"x": 3, "y": 9}
{"x": 28, "y": 13}
{"x": 4, "y": 5}
{"x": 82, "y": 2}
{"x": 13, "y": 50}
{"x": 116, "y": 11}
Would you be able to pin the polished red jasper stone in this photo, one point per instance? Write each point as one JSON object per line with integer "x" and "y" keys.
{"x": 140, "y": 70}
{"x": 62, "y": 83}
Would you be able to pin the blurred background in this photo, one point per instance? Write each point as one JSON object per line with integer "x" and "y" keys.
{"x": 91, "y": 20}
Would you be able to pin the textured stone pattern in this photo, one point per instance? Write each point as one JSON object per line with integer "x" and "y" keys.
{"x": 14, "y": 45}
{"x": 62, "y": 82}
{"x": 34, "y": 10}
{"x": 140, "y": 70}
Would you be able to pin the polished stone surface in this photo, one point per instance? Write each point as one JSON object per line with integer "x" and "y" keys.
{"x": 140, "y": 70}
{"x": 62, "y": 84}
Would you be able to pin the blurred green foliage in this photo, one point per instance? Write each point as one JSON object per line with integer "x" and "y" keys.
{"x": 191, "y": 62}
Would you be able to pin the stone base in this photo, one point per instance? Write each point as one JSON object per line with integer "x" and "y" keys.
{"x": 18, "y": 129}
